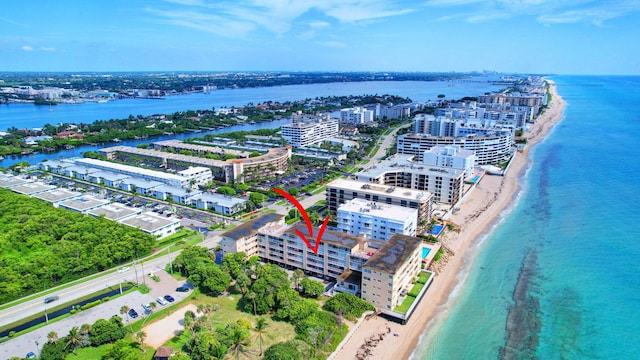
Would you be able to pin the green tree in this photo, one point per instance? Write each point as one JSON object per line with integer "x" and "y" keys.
{"x": 260, "y": 330}
{"x": 312, "y": 288}
{"x": 226, "y": 190}
{"x": 140, "y": 337}
{"x": 293, "y": 191}
{"x": 74, "y": 339}
{"x": 104, "y": 332}
{"x": 122, "y": 350}
{"x": 53, "y": 350}
{"x": 239, "y": 338}
{"x": 206, "y": 345}
{"x": 257, "y": 198}
{"x": 283, "y": 351}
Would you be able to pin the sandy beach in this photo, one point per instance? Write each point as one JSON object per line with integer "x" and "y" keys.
{"x": 478, "y": 213}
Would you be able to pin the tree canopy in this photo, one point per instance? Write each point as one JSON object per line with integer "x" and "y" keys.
{"x": 43, "y": 246}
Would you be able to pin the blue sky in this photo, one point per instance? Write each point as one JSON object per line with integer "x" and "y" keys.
{"x": 523, "y": 36}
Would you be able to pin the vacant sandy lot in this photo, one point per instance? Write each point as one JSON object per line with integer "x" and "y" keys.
{"x": 161, "y": 331}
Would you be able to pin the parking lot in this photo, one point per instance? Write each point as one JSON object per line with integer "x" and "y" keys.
{"x": 149, "y": 204}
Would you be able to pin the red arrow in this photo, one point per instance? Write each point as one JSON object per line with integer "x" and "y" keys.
{"x": 305, "y": 216}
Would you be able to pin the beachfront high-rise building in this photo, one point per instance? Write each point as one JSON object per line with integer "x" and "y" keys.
{"x": 383, "y": 273}
{"x": 376, "y": 221}
{"x": 340, "y": 191}
{"x": 305, "y": 131}
{"x": 445, "y": 183}
{"x": 450, "y": 157}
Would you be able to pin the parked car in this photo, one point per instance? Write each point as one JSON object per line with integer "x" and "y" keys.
{"x": 169, "y": 298}
{"x": 182, "y": 289}
{"x": 31, "y": 355}
{"x": 133, "y": 314}
{"x": 161, "y": 301}
{"x": 51, "y": 299}
{"x": 147, "y": 309}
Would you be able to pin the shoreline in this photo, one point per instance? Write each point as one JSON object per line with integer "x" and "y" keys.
{"x": 478, "y": 214}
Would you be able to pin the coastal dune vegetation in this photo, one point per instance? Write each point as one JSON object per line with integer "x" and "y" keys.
{"x": 43, "y": 246}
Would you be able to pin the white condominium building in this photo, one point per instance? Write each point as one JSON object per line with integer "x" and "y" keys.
{"x": 355, "y": 116}
{"x": 308, "y": 132}
{"x": 450, "y": 157}
{"x": 340, "y": 191}
{"x": 445, "y": 183}
{"x": 382, "y": 273}
{"x": 376, "y": 221}
{"x": 489, "y": 149}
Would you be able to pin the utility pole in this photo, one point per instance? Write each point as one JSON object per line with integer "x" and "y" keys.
{"x": 170, "y": 263}
{"x": 136, "y": 271}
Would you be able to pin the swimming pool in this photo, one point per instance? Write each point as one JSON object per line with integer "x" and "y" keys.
{"x": 425, "y": 252}
{"x": 436, "y": 230}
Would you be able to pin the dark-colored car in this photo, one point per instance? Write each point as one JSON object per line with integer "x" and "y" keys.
{"x": 31, "y": 355}
{"x": 182, "y": 289}
{"x": 169, "y": 298}
{"x": 50, "y": 299}
{"x": 133, "y": 314}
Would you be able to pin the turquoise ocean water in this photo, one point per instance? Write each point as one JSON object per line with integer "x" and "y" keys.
{"x": 559, "y": 276}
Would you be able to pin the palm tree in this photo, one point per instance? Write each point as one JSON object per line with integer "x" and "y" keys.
{"x": 74, "y": 339}
{"x": 140, "y": 336}
{"x": 252, "y": 296}
{"x": 85, "y": 329}
{"x": 124, "y": 310}
{"x": 261, "y": 326}
{"x": 189, "y": 321}
{"x": 239, "y": 341}
{"x": 52, "y": 337}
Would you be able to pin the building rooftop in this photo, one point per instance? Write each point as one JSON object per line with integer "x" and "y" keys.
{"x": 149, "y": 222}
{"x": 223, "y": 200}
{"x": 30, "y": 188}
{"x": 193, "y": 170}
{"x": 83, "y": 203}
{"x": 378, "y": 189}
{"x": 393, "y": 253}
{"x": 129, "y": 168}
{"x": 351, "y": 276}
{"x": 403, "y": 162}
{"x": 376, "y": 209}
{"x": 141, "y": 183}
{"x": 201, "y": 148}
{"x": 165, "y": 155}
{"x": 329, "y": 236}
{"x": 8, "y": 181}
{"x": 251, "y": 227}
{"x": 57, "y": 195}
{"x": 109, "y": 175}
{"x": 176, "y": 191}
{"x": 114, "y": 211}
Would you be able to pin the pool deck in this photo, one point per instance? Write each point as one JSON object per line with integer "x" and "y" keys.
{"x": 434, "y": 247}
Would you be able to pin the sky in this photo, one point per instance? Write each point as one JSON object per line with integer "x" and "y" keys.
{"x": 512, "y": 36}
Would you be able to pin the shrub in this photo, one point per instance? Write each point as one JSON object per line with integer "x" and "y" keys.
{"x": 352, "y": 306}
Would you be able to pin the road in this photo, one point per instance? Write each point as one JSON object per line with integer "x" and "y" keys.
{"x": 387, "y": 142}
{"x": 106, "y": 279}
{"x": 33, "y": 340}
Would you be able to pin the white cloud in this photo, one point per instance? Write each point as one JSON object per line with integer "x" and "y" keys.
{"x": 47, "y": 48}
{"x": 26, "y": 48}
{"x": 276, "y": 16}
{"x": 334, "y": 44}
{"x": 319, "y": 24}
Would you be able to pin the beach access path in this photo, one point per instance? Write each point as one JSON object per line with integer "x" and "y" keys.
{"x": 478, "y": 213}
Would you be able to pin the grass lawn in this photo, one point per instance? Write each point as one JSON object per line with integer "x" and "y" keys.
{"x": 89, "y": 352}
{"x": 406, "y": 304}
{"x": 319, "y": 190}
{"x": 277, "y": 331}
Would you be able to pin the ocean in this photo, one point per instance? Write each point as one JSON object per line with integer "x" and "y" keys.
{"x": 558, "y": 276}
